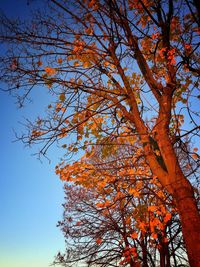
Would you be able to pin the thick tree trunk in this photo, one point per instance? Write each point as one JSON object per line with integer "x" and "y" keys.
{"x": 170, "y": 174}
{"x": 183, "y": 195}
{"x": 190, "y": 220}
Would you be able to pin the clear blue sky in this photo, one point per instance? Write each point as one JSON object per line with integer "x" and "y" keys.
{"x": 31, "y": 194}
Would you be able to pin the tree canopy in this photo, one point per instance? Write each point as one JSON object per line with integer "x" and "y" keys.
{"x": 119, "y": 72}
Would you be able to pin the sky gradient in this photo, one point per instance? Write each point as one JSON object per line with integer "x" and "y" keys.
{"x": 31, "y": 195}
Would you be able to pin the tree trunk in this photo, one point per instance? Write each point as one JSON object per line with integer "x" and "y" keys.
{"x": 162, "y": 257}
{"x": 164, "y": 252}
{"x": 172, "y": 247}
{"x": 167, "y": 255}
{"x": 190, "y": 220}
{"x": 171, "y": 177}
{"x": 144, "y": 253}
{"x": 183, "y": 195}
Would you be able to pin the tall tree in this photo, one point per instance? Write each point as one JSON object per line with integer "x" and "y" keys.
{"x": 118, "y": 69}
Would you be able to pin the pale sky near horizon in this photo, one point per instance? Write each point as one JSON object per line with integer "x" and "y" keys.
{"x": 31, "y": 195}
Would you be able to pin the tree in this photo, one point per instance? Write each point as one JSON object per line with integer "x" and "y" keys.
{"x": 118, "y": 69}
{"x": 116, "y": 214}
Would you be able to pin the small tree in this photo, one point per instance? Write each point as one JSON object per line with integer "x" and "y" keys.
{"x": 112, "y": 217}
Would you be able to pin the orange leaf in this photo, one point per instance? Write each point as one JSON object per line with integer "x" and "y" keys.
{"x": 50, "y": 71}
{"x": 98, "y": 241}
{"x": 134, "y": 235}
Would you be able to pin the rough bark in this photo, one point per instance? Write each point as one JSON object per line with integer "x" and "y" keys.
{"x": 190, "y": 221}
